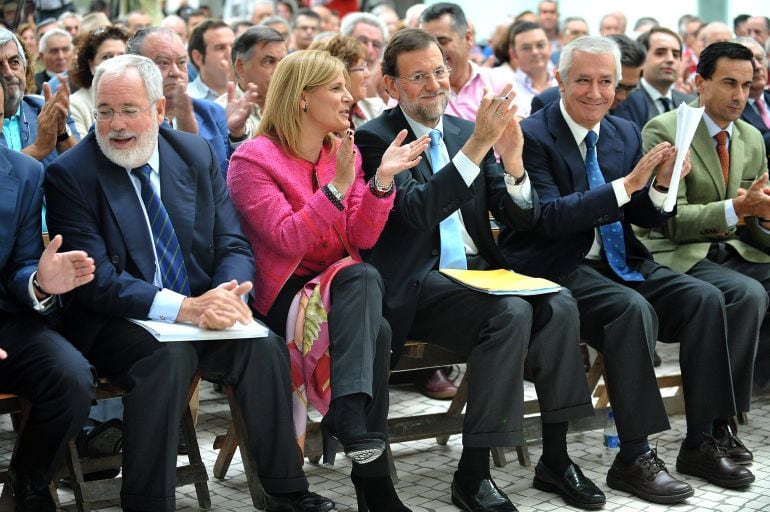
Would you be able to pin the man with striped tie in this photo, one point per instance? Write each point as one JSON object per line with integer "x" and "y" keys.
{"x": 593, "y": 184}
{"x": 150, "y": 205}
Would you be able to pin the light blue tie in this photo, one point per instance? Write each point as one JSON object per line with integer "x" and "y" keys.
{"x": 452, "y": 247}
{"x": 612, "y": 237}
{"x": 170, "y": 260}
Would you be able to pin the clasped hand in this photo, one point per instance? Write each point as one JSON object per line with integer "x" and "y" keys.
{"x": 218, "y": 308}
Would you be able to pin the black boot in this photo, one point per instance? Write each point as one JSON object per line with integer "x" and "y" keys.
{"x": 346, "y": 422}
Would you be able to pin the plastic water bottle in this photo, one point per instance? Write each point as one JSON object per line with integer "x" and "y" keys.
{"x": 611, "y": 441}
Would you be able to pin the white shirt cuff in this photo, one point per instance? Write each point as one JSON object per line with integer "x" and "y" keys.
{"x": 730, "y": 216}
{"x": 657, "y": 197}
{"x": 39, "y": 305}
{"x": 166, "y": 305}
{"x": 620, "y": 192}
{"x": 465, "y": 166}
{"x": 521, "y": 194}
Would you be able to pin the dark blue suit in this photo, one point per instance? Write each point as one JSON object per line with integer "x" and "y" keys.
{"x": 93, "y": 203}
{"x": 30, "y": 108}
{"x": 42, "y": 366}
{"x": 751, "y": 116}
{"x": 212, "y": 126}
{"x": 640, "y": 108}
{"x": 546, "y": 97}
{"x": 620, "y": 319}
{"x": 495, "y": 332}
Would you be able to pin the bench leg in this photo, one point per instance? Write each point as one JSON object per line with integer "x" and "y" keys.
{"x": 194, "y": 456}
{"x": 457, "y": 405}
{"x": 72, "y": 460}
{"x": 227, "y": 446}
{"x": 522, "y": 452}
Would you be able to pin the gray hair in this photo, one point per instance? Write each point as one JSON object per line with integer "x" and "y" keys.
{"x": 750, "y": 42}
{"x": 273, "y": 20}
{"x": 349, "y": 22}
{"x": 54, "y": 32}
{"x": 135, "y": 45}
{"x": 590, "y": 44}
{"x": 6, "y": 36}
{"x": 116, "y": 66}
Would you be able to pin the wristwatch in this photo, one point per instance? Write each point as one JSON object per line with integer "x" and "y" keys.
{"x": 38, "y": 288}
{"x": 64, "y": 135}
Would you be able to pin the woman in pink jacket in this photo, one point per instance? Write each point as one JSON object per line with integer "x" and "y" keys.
{"x": 305, "y": 207}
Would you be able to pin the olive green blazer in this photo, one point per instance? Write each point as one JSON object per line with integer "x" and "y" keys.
{"x": 685, "y": 238}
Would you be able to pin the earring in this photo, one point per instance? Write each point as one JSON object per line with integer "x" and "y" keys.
{"x": 305, "y": 108}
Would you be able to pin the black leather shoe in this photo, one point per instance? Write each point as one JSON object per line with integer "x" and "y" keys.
{"x": 298, "y": 502}
{"x": 711, "y": 462}
{"x": 648, "y": 478}
{"x": 734, "y": 447}
{"x": 488, "y": 498}
{"x": 31, "y": 493}
{"x": 576, "y": 489}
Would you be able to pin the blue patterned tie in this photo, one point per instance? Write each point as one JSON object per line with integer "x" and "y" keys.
{"x": 613, "y": 240}
{"x": 170, "y": 261}
{"x": 452, "y": 247}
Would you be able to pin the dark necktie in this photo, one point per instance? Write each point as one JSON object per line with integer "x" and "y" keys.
{"x": 611, "y": 234}
{"x": 452, "y": 246}
{"x": 170, "y": 259}
{"x": 666, "y": 103}
{"x": 724, "y": 154}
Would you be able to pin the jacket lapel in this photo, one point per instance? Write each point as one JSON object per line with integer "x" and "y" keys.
{"x": 178, "y": 191}
{"x": 397, "y": 123}
{"x": 703, "y": 148}
{"x": 567, "y": 148}
{"x": 123, "y": 201}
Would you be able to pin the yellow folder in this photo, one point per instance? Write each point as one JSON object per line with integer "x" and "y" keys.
{"x": 501, "y": 282}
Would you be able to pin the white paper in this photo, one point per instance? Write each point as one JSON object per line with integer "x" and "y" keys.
{"x": 164, "y": 331}
{"x": 687, "y": 120}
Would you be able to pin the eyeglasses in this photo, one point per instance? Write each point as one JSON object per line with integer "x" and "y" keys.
{"x": 357, "y": 69}
{"x": 624, "y": 88}
{"x": 420, "y": 78}
{"x": 106, "y": 114}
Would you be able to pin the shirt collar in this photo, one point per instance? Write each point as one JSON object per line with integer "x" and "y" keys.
{"x": 654, "y": 93}
{"x": 713, "y": 129}
{"x": 578, "y": 132}
{"x": 420, "y": 129}
{"x": 15, "y": 117}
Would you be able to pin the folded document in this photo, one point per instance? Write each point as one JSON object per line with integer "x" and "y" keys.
{"x": 501, "y": 282}
{"x": 164, "y": 331}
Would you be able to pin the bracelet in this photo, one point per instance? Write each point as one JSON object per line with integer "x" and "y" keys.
{"x": 236, "y": 140}
{"x": 331, "y": 192}
{"x": 660, "y": 188}
{"x": 38, "y": 288}
{"x": 63, "y": 136}
{"x": 378, "y": 190}
{"x": 379, "y": 185}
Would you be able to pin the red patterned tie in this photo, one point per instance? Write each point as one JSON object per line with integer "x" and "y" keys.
{"x": 724, "y": 154}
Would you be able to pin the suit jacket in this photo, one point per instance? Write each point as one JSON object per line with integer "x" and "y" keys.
{"x": 409, "y": 246}
{"x": 751, "y": 116}
{"x": 570, "y": 211}
{"x": 31, "y": 105}
{"x": 546, "y": 97}
{"x": 40, "y": 79}
{"x": 639, "y": 107}
{"x": 700, "y": 220}
{"x": 93, "y": 203}
{"x": 212, "y": 126}
{"x": 21, "y": 198}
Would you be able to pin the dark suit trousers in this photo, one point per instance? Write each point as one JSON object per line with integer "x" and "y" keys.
{"x": 496, "y": 333}
{"x": 47, "y": 370}
{"x": 359, "y": 344}
{"x": 624, "y": 320}
{"x": 745, "y": 286}
{"x": 156, "y": 377}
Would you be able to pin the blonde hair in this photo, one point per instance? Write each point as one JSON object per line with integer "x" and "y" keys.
{"x": 301, "y": 71}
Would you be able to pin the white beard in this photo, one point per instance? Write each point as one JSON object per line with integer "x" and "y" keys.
{"x": 134, "y": 157}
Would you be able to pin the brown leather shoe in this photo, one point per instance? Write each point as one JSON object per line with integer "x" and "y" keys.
{"x": 711, "y": 462}
{"x": 734, "y": 447}
{"x": 648, "y": 479}
{"x": 438, "y": 386}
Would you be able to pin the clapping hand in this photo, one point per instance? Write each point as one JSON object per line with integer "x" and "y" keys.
{"x": 398, "y": 158}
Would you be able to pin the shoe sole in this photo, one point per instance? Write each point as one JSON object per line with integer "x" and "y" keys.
{"x": 542, "y": 485}
{"x": 670, "y": 499}
{"x": 364, "y": 456}
{"x": 727, "y": 484}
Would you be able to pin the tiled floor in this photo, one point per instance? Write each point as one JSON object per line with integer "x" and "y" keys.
{"x": 425, "y": 469}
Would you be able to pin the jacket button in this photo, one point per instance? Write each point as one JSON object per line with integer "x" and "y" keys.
{"x": 322, "y": 263}
{"x": 211, "y": 247}
{"x": 416, "y": 284}
{"x": 115, "y": 259}
{"x": 434, "y": 252}
{"x": 326, "y": 244}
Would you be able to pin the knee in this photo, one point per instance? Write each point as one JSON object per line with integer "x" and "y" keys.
{"x": 752, "y": 292}
{"x": 513, "y": 312}
{"x": 74, "y": 382}
{"x": 177, "y": 360}
{"x": 363, "y": 273}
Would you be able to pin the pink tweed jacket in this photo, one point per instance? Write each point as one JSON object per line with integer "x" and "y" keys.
{"x": 293, "y": 227}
